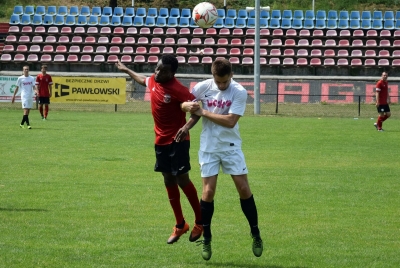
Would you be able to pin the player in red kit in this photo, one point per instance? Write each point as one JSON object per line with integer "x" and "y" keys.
{"x": 172, "y": 157}
{"x": 382, "y": 101}
{"x": 44, "y": 86}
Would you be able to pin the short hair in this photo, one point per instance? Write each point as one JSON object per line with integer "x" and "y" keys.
{"x": 221, "y": 67}
{"x": 170, "y": 60}
{"x": 43, "y": 66}
{"x": 25, "y": 66}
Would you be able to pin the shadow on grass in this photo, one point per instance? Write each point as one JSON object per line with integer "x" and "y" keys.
{"x": 24, "y": 209}
{"x": 247, "y": 265}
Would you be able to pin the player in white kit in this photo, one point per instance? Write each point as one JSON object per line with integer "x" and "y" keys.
{"x": 27, "y": 85}
{"x": 223, "y": 103}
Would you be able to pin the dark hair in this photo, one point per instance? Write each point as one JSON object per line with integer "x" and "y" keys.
{"x": 221, "y": 67}
{"x": 43, "y": 66}
{"x": 170, "y": 60}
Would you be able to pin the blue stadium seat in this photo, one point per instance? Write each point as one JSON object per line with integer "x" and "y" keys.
{"x": 48, "y": 20}
{"x": 388, "y": 25}
{"x": 40, "y": 10}
{"x": 104, "y": 20}
{"x": 286, "y": 23}
{"x": 309, "y": 24}
{"x": 297, "y": 24}
{"x": 82, "y": 20}
{"x": 377, "y": 24}
{"x": 37, "y": 19}
{"x": 62, "y": 11}
{"x": 242, "y": 14}
{"x": 25, "y": 19}
{"x": 192, "y": 23}
{"x": 332, "y": 15}
{"x": 264, "y": 14}
{"x": 172, "y": 22}
{"x": 70, "y": 20}
{"x": 331, "y": 24}
{"x": 320, "y": 24}
{"x": 175, "y": 13}
{"x": 263, "y": 23}
{"x": 93, "y": 20}
{"x": 129, "y": 12}
{"x": 397, "y": 25}
{"x": 310, "y": 15}
{"x": 152, "y": 12}
{"x": 343, "y": 15}
{"x": 397, "y": 16}
{"x": 221, "y": 13}
{"x": 163, "y": 13}
{"x": 365, "y": 24}
{"x": 298, "y": 15}
{"x": 355, "y": 24}
{"x": 161, "y": 21}
{"x": 219, "y": 23}
{"x": 355, "y": 15}
{"x": 141, "y": 12}
{"x": 321, "y": 15}
{"x": 115, "y": 21}
{"x": 107, "y": 11}
{"x": 377, "y": 15}
{"x": 251, "y": 23}
{"x": 29, "y": 10}
{"x": 287, "y": 14}
{"x": 276, "y": 14}
{"x": 96, "y": 11}
{"x": 231, "y": 13}
{"x": 138, "y": 21}
{"x": 85, "y": 11}
{"x": 274, "y": 23}
{"x": 14, "y": 20}
{"x": 59, "y": 20}
{"x": 18, "y": 10}
{"x": 366, "y": 15}
{"x": 186, "y": 13}
{"x": 118, "y": 12}
{"x": 388, "y": 15}
{"x": 74, "y": 11}
{"x": 229, "y": 22}
{"x": 150, "y": 21}
{"x": 241, "y": 23}
{"x": 343, "y": 24}
{"x": 51, "y": 10}
{"x": 127, "y": 21}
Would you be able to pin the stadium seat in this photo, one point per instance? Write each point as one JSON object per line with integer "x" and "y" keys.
{"x": 11, "y": 39}
{"x": 301, "y": 62}
{"x": 320, "y": 24}
{"x": 131, "y": 31}
{"x": 385, "y": 33}
{"x": 355, "y": 53}
{"x": 344, "y": 33}
{"x": 356, "y": 43}
{"x": 61, "y": 49}
{"x": 98, "y": 59}
{"x": 316, "y": 43}
{"x": 78, "y": 40}
{"x": 129, "y": 40}
{"x": 96, "y": 11}
{"x": 343, "y": 24}
{"x": 277, "y": 42}
{"x": 161, "y": 22}
{"x": 377, "y": 24}
{"x": 242, "y": 14}
{"x": 115, "y": 21}
{"x": 396, "y": 63}
{"x": 6, "y": 57}
{"x": 354, "y": 24}
{"x": 181, "y": 51}
{"x": 192, "y": 23}
{"x": 247, "y": 61}
{"x": 77, "y": 49}
{"x": 353, "y": 62}
{"x": 24, "y": 48}
{"x": 8, "y": 49}
{"x": 86, "y": 49}
{"x": 302, "y": 53}
{"x": 304, "y": 33}
{"x": 329, "y": 62}
{"x": 321, "y": 15}
{"x": 370, "y": 53}
{"x": 274, "y": 61}
{"x": 365, "y": 24}
{"x": 193, "y": 60}
{"x": 152, "y": 12}
{"x": 297, "y": 24}
{"x": 276, "y": 14}
{"x": 85, "y": 11}
{"x": 141, "y": 12}
{"x": 101, "y": 50}
{"x": 287, "y": 14}
{"x": 229, "y": 22}
{"x": 315, "y": 62}
{"x": 59, "y": 20}
{"x": 129, "y": 12}
{"x": 74, "y": 11}
{"x": 290, "y": 42}
{"x": 104, "y": 20}
{"x": 168, "y": 50}
{"x": 171, "y": 32}
{"x": 181, "y": 59}
{"x": 329, "y": 53}
{"x": 303, "y": 43}
{"x": 82, "y": 20}
{"x": 298, "y": 15}
{"x": 175, "y": 13}
{"x": 184, "y": 22}
{"x": 286, "y": 24}
{"x": 14, "y": 20}
{"x": 355, "y": 15}
{"x": 343, "y": 53}
{"x": 330, "y": 43}
{"x": 231, "y": 13}
{"x": 48, "y": 20}
{"x": 316, "y": 53}
{"x": 388, "y": 15}
{"x": 332, "y": 15}
{"x": 366, "y": 15}
{"x": 70, "y": 20}
{"x": 46, "y": 49}
{"x": 288, "y": 52}
{"x": 377, "y": 15}
{"x": 19, "y": 58}
{"x": 275, "y": 23}
{"x": 158, "y": 31}
{"x": 388, "y": 25}
{"x": 383, "y": 53}
{"x": 118, "y": 12}
{"x": 18, "y": 10}
{"x": 310, "y": 15}
{"x": 372, "y": 33}
{"x": 107, "y": 11}
{"x": 93, "y": 20}
{"x": 291, "y": 33}
{"x": 86, "y": 59}
{"x": 371, "y": 43}
{"x": 221, "y": 51}
{"x": 383, "y": 62}
{"x": 25, "y": 19}
{"x": 50, "y": 39}
{"x": 143, "y": 40}
{"x": 72, "y": 58}
{"x": 126, "y": 59}
{"x": 331, "y": 24}
{"x": 172, "y": 22}
{"x": 397, "y": 24}
{"x": 344, "y": 15}
{"x": 114, "y": 50}
{"x": 23, "y": 39}
{"x": 163, "y": 13}
{"x": 240, "y": 23}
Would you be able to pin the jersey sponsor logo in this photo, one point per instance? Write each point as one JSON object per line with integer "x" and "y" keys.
{"x": 219, "y": 103}
{"x": 167, "y": 98}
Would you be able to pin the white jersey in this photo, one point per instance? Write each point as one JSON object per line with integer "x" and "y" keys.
{"x": 214, "y": 137}
{"x": 26, "y": 85}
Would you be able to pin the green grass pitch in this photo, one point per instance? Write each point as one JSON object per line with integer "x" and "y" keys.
{"x": 79, "y": 191}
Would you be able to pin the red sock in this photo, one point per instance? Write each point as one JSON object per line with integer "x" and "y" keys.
{"x": 384, "y": 118}
{"x": 174, "y": 200}
{"x": 46, "y": 110}
{"x": 41, "y": 110}
{"x": 379, "y": 122}
{"x": 191, "y": 194}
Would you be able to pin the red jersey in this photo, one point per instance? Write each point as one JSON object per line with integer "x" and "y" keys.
{"x": 165, "y": 107}
{"x": 43, "y": 82}
{"x": 382, "y": 88}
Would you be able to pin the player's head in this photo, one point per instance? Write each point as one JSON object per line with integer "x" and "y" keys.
{"x": 384, "y": 76}
{"x": 25, "y": 70}
{"x": 44, "y": 68}
{"x": 166, "y": 68}
{"x": 221, "y": 70}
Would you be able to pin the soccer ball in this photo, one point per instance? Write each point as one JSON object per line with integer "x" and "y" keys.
{"x": 205, "y": 15}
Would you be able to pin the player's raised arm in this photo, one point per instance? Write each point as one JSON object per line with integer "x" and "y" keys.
{"x": 135, "y": 76}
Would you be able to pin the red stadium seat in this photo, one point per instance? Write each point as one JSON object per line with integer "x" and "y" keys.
{"x": 369, "y": 62}
{"x": 329, "y": 62}
{"x": 168, "y": 50}
{"x": 354, "y": 62}
{"x": 383, "y": 62}
{"x": 154, "y": 50}
{"x": 247, "y": 61}
{"x": 86, "y": 59}
{"x": 141, "y": 50}
{"x": 127, "y": 50}
{"x": 126, "y": 59}
{"x": 302, "y": 62}
{"x": 288, "y": 61}
{"x": 61, "y": 49}
{"x": 193, "y": 60}
{"x": 315, "y": 62}
{"x": 139, "y": 59}
{"x": 234, "y": 60}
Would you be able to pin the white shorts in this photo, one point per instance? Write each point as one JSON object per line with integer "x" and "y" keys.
{"x": 232, "y": 162}
{"x": 27, "y": 103}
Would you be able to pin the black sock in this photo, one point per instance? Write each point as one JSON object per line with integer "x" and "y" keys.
{"x": 207, "y": 211}
{"x": 23, "y": 120}
{"x": 180, "y": 226}
{"x": 27, "y": 120}
{"x": 250, "y": 211}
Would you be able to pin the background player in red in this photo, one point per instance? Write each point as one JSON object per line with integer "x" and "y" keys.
{"x": 172, "y": 158}
{"x": 382, "y": 101}
{"x": 43, "y": 86}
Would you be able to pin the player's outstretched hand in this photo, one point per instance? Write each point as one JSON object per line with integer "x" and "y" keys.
{"x": 190, "y": 106}
{"x": 182, "y": 133}
{"x": 121, "y": 66}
